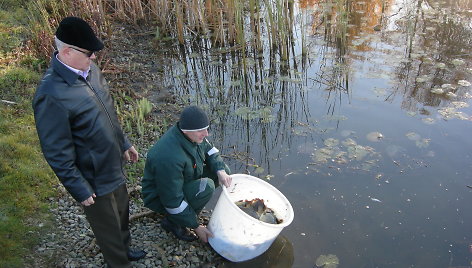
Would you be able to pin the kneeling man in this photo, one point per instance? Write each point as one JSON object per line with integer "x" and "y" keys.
{"x": 181, "y": 173}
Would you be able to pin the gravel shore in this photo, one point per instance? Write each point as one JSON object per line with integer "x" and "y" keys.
{"x": 70, "y": 243}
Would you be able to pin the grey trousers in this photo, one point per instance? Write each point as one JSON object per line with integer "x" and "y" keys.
{"x": 109, "y": 219}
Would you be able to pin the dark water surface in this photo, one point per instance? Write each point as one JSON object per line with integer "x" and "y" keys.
{"x": 374, "y": 164}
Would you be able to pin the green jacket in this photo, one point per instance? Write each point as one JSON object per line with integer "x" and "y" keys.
{"x": 171, "y": 163}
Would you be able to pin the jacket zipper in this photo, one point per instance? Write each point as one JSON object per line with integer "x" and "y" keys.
{"x": 103, "y": 106}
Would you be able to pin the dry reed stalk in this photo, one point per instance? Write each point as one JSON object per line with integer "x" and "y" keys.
{"x": 230, "y": 17}
{"x": 270, "y": 24}
{"x": 162, "y": 12}
{"x": 179, "y": 22}
{"x": 136, "y": 10}
{"x": 93, "y": 11}
{"x": 44, "y": 18}
{"x": 255, "y": 24}
{"x": 198, "y": 8}
{"x": 118, "y": 7}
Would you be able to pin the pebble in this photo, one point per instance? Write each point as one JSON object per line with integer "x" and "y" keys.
{"x": 70, "y": 242}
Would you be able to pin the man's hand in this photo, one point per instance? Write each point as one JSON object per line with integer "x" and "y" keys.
{"x": 203, "y": 233}
{"x": 224, "y": 178}
{"x": 131, "y": 155}
{"x": 89, "y": 201}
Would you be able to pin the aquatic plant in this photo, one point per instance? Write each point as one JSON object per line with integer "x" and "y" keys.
{"x": 374, "y": 136}
{"x": 327, "y": 261}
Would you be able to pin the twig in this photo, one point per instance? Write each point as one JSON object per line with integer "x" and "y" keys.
{"x": 8, "y": 102}
{"x": 140, "y": 215}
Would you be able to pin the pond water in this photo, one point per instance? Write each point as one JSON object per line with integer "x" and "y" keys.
{"x": 364, "y": 125}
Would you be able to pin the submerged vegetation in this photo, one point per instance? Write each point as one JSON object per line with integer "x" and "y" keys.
{"x": 327, "y": 261}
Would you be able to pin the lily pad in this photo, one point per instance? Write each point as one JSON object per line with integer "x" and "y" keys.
{"x": 349, "y": 142}
{"x": 265, "y": 114}
{"x": 460, "y": 104}
{"x": 358, "y": 152}
{"x": 448, "y": 86}
{"x": 327, "y": 261}
{"x": 464, "y": 83}
{"x": 259, "y": 170}
{"x": 428, "y": 121}
{"x": 451, "y": 95}
{"x": 374, "y": 136}
{"x": 331, "y": 142}
{"x": 423, "y": 143}
{"x": 423, "y": 78}
{"x": 413, "y": 136}
{"x": 441, "y": 65}
{"x": 458, "y": 62}
{"x": 450, "y": 112}
{"x": 322, "y": 155}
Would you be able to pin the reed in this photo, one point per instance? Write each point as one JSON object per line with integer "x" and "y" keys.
{"x": 237, "y": 23}
{"x": 45, "y": 15}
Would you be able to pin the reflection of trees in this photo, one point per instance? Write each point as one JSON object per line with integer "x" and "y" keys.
{"x": 263, "y": 75}
{"x": 344, "y": 21}
{"x": 225, "y": 79}
{"x": 434, "y": 35}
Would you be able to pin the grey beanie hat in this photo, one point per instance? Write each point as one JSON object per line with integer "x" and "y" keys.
{"x": 193, "y": 118}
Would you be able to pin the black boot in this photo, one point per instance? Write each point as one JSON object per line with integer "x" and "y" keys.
{"x": 136, "y": 254}
{"x": 180, "y": 232}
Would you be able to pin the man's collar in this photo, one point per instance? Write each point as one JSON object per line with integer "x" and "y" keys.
{"x": 84, "y": 74}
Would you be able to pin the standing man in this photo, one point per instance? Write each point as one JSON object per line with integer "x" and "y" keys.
{"x": 82, "y": 140}
{"x": 180, "y": 175}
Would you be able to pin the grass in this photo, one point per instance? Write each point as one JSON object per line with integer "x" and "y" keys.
{"x": 26, "y": 181}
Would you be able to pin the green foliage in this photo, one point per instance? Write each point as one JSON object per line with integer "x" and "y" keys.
{"x": 25, "y": 183}
{"x": 134, "y": 171}
{"x": 9, "y": 41}
{"x": 12, "y": 5}
{"x": 17, "y": 83}
{"x": 44, "y": 16}
{"x": 134, "y": 114}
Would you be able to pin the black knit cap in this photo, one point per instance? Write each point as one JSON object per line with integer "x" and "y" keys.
{"x": 77, "y": 32}
{"x": 193, "y": 118}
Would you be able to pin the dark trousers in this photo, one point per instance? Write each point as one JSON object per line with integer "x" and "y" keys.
{"x": 109, "y": 219}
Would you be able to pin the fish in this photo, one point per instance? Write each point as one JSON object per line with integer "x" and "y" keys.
{"x": 258, "y": 210}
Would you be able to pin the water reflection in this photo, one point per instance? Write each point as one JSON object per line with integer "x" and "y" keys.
{"x": 302, "y": 115}
{"x": 279, "y": 255}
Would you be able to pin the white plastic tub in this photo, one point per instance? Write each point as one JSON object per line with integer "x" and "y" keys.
{"x": 237, "y": 236}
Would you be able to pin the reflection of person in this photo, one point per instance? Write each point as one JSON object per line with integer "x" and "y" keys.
{"x": 82, "y": 141}
{"x": 180, "y": 175}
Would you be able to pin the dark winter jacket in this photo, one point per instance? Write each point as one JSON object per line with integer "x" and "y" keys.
{"x": 79, "y": 131}
{"x": 173, "y": 161}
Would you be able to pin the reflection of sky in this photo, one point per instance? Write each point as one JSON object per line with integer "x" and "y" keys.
{"x": 418, "y": 170}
